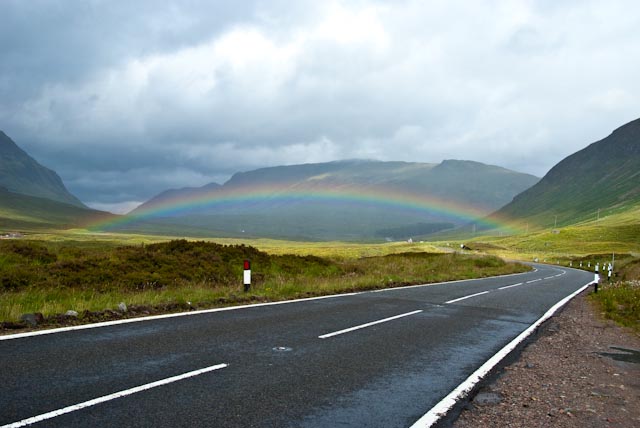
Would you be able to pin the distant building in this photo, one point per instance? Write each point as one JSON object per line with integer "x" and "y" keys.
{"x": 11, "y": 235}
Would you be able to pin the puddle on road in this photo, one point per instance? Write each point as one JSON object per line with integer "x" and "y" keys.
{"x": 625, "y": 355}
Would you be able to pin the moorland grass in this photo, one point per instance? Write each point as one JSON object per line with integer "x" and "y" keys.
{"x": 620, "y": 301}
{"x": 54, "y": 276}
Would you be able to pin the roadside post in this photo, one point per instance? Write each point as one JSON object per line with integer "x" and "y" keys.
{"x": 596, "y": 278}
{"x": 247, "y": 275}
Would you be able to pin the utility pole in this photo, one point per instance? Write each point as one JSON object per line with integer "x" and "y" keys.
{"x": 555, "y": 223}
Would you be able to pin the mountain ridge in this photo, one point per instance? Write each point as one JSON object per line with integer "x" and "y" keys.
{"x": 20, "y": 173}
{"x": 605, "y": 175}
{"x": 318, "y": 200}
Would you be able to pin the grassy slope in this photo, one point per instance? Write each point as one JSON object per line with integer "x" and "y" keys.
{"x": 22, "y": 212}
{"x": 619, "y": 233}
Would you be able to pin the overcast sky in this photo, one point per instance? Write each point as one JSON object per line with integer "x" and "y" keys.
{"x": 125, "y": 99}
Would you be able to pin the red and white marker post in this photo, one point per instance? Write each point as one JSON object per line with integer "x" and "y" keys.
{"x": 247, "y": 275}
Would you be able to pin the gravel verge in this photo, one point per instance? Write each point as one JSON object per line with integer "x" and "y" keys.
{"x": 580, "y": 371}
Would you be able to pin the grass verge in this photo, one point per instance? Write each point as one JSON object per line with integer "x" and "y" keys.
{"x": 620, "y": 300}
{"x": 53, "y": 277}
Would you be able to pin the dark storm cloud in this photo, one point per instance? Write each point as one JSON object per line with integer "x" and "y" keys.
{"x": 126, "y": 99}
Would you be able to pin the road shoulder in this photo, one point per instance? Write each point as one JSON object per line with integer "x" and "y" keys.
{"x": 565, "y": 378}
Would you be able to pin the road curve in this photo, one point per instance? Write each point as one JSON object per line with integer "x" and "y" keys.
{"x": 375, "y": 359}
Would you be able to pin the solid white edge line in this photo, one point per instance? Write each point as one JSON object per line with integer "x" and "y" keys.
{"x": 509, "y": 286}
{"x": 448, "y": 282}
{"x": 157, "y": 317}
{"x": 442, "y": 407}
{"x": 110, "y": 397}
{"x": 369, "y": 324}
{"x": 229, "y": 308}
{"x": 467, "y": 297}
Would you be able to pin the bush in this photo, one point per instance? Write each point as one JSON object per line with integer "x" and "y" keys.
{"x": 15, "y": 279}
{"x": 154, "y": 266}
{"x": 31, "y": 252}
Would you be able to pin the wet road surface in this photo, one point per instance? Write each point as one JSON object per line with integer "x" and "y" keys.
{"x": 375, "y": 359}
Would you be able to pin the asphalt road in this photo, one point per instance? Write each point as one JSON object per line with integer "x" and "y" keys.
{"x": 268, "y": 366}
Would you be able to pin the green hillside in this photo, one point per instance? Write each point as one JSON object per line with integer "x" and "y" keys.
{"x": 615, "y": 233}
{"x": 20, "y": 173}
{"x": 602, "y": 179}
{"x": 23, "y": 212}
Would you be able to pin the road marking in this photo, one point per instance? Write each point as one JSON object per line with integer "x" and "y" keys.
{"x": 110, "y": 397}
{"x": 535, "y": 280}
{"x": 446, "y": 282}
{"x": 230, "y": 308}
{"x": 157, "y": 317}
{"x": 550, "y": 277}
{"x": 369, "y": 324}
{"x": 430, "y": 418}
{"x": 466, "y": 297}
{"x": 509, "y": 286}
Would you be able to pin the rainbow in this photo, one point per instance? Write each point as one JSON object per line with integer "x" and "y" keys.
{"x": 375, "y": 196}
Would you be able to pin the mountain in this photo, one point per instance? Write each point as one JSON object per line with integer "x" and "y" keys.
{"x": 33, "y": 197}
{"x": 602, "y": 178}
{"x": 20, "y": 173}
{"x": 353, "y": 199}
{"x": 177, "y": 194}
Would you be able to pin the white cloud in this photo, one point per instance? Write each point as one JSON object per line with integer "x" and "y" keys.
{"x": 519, "y": 84}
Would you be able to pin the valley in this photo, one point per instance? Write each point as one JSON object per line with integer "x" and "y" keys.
{"x": 315, "y": 232}
{"x": 370, "y": 224}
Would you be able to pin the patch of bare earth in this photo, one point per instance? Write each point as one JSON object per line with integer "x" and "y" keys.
{"x": 568, "y": 377}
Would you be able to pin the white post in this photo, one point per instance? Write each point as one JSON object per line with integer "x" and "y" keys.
{"x": 247, "y": 275}
{"x": 613, "y": 260}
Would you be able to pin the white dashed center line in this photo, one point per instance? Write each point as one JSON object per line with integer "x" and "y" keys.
{"x": 358, "y": 327}
{"x": 509, "y": 286}
{"x": 467, "y": 297}
{"x": 110, "y": 397}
